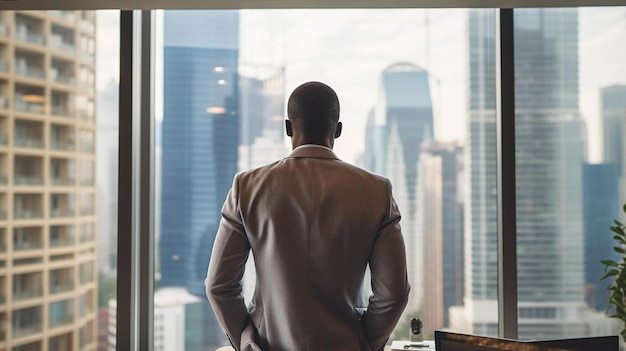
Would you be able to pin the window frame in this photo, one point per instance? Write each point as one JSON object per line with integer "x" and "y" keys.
{"x": 136, "y": 126}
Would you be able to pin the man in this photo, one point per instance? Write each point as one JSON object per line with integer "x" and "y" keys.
{"x": 313, "y": 224}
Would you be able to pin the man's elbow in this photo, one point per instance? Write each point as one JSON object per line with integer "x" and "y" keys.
{"x": 213, "y": 289}
{"x": 401, "y": 296}
{"x": 217, "y": 290}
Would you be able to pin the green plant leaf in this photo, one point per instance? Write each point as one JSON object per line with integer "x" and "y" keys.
{"x": 619, "y": 250}
{"x": 618, "y": 302}
{"x": 609, "y": 263}
{"x": 618, "y": 230}
{"x": 610, "y": 273}
{"x": 620, "y": 239}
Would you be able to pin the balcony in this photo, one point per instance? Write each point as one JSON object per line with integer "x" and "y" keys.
{"x": 27, "y": 245}
{"x": 4, "y": 139}
{"x": 61, "y": 42}
{"x": 62, "y": 111}
{"x": 64, "y": 79}
{"x": 61, "y": 241}
{"x": 27, "y": 213}
{"x": 68, "y": 16}
{"x": 24, "y": 34}
{"x": 32, "y": 107}
{"x": 4, "y": 30}
{"x": 4, "y": 65}
{"x": 61, "y": 212}
{"x": 62, "y": 180}
{"x": 25, "y": 295}
{"x": 87, "y": 211}
{"x": 29, "y": 70}
{"x": 4, "y": 102}
{"x": 62, "y": 145}
{"x": 27, "y": 180}
{"x": 62, "y": 287}
{"x": 28, "y": 142}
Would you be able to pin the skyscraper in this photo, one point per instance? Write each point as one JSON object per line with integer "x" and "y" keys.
{"x": 613, "y": 110}
{"x": 397, "y": 126}
{"x": 200, "y": 137}
{"x": 450, "y": 224}
{"x": 601, "y": 199}
{"x": 199, "y": 146}
{"x": 549, "y": 163}
{"x": 48, "y": 287}
{"x": 262, "y": 106}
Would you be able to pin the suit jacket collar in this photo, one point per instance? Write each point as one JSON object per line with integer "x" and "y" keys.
{"x": 313, "y": 151}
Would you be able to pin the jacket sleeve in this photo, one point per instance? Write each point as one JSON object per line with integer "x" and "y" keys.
{"x": 226, "y": 268}
{"x": 390, "y": 285}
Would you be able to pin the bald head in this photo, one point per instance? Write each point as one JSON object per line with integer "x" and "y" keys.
{"x": 313, "y": 112}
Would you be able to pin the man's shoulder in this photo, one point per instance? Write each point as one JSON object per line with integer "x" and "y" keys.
{"x": 363, "y": 172}
{"x": 258, "y": 170}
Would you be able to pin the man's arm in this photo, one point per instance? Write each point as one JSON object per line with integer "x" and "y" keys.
{"x": 228, "y": 261}
{"x": 390, "y": 286}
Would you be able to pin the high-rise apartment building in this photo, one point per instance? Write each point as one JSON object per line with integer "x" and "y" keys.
{"x": 397, "y": 126}
{"x": 48, "y": 286}
{"x": 550, "y": 152}
{"x": 200, "y": 139}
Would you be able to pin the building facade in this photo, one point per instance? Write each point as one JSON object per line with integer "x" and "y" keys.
{"x": 200, "y": 139}
{"x": 550, "y": 151}
{"x": 48, "y": 287}
{"x": 397, "y": 126}
{"x": 601, "y": 204}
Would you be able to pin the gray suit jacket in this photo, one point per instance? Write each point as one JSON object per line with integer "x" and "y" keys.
{"x": 313, "y": 224}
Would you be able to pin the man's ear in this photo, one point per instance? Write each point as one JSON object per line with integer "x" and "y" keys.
{"x": 338, "y": 130}
{"x": 288, "y": 128}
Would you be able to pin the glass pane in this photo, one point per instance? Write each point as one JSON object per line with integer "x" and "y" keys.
{"x": 570, "y": 109}
{"x": 411, "y": 112}
{"x": 56, "y": 183}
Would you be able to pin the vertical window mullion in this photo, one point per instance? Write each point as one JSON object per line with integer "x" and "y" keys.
{"x": 146, "y": 184}
{"x": 505, "y": 125}
{"x": 125, "y": 256}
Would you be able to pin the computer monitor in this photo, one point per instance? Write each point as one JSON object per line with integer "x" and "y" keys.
{"x": 448, "y": 341}
{"x": 608, "y": 343}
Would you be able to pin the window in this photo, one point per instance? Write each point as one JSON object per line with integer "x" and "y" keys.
{"x": 225, "y": 88}
{"x": 569, "y": 118}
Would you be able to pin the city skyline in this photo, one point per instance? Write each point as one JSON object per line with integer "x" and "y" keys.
{"x": 263, "y": 44}
{"x": 364, "y": 101}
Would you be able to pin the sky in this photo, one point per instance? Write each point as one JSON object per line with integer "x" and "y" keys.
{"x": 348, "y": 49}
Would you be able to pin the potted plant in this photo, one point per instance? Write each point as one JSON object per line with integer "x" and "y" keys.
{"x": 617, "y": 271}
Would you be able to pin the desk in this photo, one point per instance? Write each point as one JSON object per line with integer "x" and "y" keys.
{"x": 426, "y": 345}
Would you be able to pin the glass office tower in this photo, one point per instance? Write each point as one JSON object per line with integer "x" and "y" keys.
{"x": 550, "y": 151}
{"x": 613, "y": 111}
{"x": 400, "y": 122}
{"x": 200, "y": 136}
{"x": 200, "y": 139}
{"x": 602, "y": 206}
{"x": 48, "y": 289}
